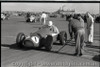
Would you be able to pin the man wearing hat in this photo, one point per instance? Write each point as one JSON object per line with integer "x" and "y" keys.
{"x": 49, "y": 38}
{"x": 53, "y": 28}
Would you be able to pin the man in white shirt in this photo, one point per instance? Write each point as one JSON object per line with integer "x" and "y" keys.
{"x": 52, "y": 28}
{"x": 49, "y": 38}
{"x": 43, "y": 18}
{"x": 90, "y": 27}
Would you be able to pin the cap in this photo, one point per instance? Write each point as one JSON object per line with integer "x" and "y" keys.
{"x": 50, "y": 23}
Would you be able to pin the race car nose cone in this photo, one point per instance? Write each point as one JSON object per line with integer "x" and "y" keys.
{"x": 32, "y": 42}
{"x": 28, "y": 43}
{"x": 35, "y": 39}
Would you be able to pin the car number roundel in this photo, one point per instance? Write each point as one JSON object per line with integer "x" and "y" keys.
{"x": 35, "y": 39}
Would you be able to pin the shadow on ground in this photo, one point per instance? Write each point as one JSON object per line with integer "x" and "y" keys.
{"x": 93, "y": 46}
{"x": 96, "y": 58}
{"x": 15, "y": 47}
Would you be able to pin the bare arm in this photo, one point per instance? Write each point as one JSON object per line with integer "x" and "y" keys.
{"x": 55, "y": 29}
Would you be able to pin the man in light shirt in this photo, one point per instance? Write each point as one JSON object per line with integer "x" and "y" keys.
{"x": 49, "y": 38}
{"x": 90, "y": 27}
{"x": 52, "y": 28}
{"x": 43, "y": 18}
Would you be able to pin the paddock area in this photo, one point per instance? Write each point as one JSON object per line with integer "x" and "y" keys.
{"x": 12, "y": 56}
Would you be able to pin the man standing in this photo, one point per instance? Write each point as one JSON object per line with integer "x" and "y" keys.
{"x": 77, "y": 26}
{"x": 43, "y": 18}
{"x": 90, "y": 27}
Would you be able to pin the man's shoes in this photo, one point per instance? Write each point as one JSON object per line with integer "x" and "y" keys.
{"x": 79, "y": 54}
{"x": 76, "y": 54}
{"x": 71, "y": 40}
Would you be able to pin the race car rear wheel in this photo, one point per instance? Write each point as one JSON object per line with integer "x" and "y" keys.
{"x": 63, "y": 37}
{"x": 49, "y": 42}
{"x": 19, "y": 40}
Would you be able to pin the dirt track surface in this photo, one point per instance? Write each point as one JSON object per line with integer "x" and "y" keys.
{"x": 12, "y": 56}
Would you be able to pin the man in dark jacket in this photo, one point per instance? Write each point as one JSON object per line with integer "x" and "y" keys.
{"x": 77, "y": 26}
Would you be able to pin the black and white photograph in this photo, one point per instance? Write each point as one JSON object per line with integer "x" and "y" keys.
{"x": 50, "y": 0}
{"x": 47, "y": 34}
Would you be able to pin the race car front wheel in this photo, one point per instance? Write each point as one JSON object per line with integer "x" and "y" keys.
{"x": 49, "y": 42}
{"x": 63, "y": 37}
{"x": 19, "y": 40}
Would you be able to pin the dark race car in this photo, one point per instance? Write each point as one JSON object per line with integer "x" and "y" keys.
{"x": 31, "y": 19}
{"x": 44, "y": 37}
{"x": 53, "y": 15}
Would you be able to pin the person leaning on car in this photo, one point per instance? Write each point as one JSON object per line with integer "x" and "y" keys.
{"x": 77, "y": 26}
{"x": 49, "y": 38}
{"x": 53, "y": 27}
{"x": 50, "y": 28}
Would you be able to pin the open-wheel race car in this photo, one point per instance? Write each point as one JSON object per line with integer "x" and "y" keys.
{"x": 31, "y": 19}
{"x": 44, "y": 37}
{"x": 53, "y": 15}
{"x": 4, "y": 17}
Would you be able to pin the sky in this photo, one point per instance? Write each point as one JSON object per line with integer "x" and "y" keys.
{"x": 51, "y": 7}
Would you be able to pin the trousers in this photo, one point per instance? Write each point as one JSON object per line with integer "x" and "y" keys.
{"x": 80, "y": 40}
{"x": 43, "y": 20}
{"x": 90, "y": 33}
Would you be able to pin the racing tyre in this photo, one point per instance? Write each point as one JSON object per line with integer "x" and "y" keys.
{"x": 42, "y": 42}
{"x": 28, "y": 20}
{"x": 49, "y": 42}
{"x": 19, "y": 40}
{"x": 63, "y": 37}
